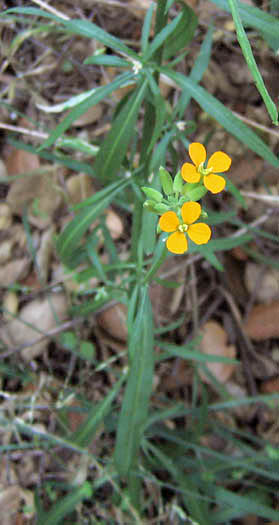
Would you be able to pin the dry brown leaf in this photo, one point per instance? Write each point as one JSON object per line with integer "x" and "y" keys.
{"x": 20, "y": 161}
{"x": 14, "y": 271}
{"x": 263, "y": 321}
{"x": 264, "y": 286}
{"x": 6, "y": 250}
{"x": 42, "y": 315}
{"x": 114, "y": 224}
{"x": 114, "y": 321}
{"x": 270, "y": 386}
{"x": 5, "y": 216}
{"x": 44, "y": 253}
{"x": 92, "y": 115}
{"x": 37, "y": 192}
{"x": 214, "y": 342}
{"x": 79, "y": 187}
{"x": 10, "y": 304}
{"x": 10, "y": 499}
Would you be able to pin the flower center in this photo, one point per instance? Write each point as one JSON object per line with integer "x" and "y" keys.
{"x": 204, "y": 171}
{"x": 182, "y": 228}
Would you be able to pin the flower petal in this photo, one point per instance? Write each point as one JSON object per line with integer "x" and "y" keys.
{"x": 219, "y": 161}
{"x": 177, "y": 243}
{"x": 197, "y": 153}
{"x": 190, "y": 212}
{"x": 199, "y": 233}
{"x": 169, "y": 221}
{"x": 189, "y": 173}
{"x": 214, "y": 183}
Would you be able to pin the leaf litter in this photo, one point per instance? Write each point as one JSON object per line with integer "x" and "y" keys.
{"x": 40, "y": 294}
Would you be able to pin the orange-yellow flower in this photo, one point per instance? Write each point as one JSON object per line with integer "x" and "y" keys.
{"x": 217, "y": 163}
{"x": 199, "y": 233}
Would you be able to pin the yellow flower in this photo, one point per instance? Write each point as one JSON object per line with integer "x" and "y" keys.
{"x": 199, "y": 233}
{"x": 217, "y": 163}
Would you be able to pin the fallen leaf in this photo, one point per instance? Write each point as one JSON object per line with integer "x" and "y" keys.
{"x": 43, "y": 315}
{"x": 214, "y": 342}
{"x": 6, "y": 250}
{"x": 114, "y": 321}
{"x": 5, "y": 216}
{"x": 114, "y": 224}
{"x": 10, "y": 305}
{"x": 44, "y": 253}
{"x": 270, "y": 386}
{"x": 265, "y": 285}
{"x": 92, "y": 115}
{"x": 39, "y": 194}
{"x": 14, "y": 271}
{"x": 79, "y": 187}
{"x": 20, "y": 161}
{"x": 263, "y": 321}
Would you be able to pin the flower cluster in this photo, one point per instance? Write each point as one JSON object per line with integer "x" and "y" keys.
{"x": 180, "y": 210}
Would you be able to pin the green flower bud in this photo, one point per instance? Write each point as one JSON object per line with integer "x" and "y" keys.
{"x": 166, "y": 181}
{"x": 149, "y": 205}
{"x": 152, "y": 194}
{"x": 178, "y": 183}
{"x": 161, "y": 208}
{"x": 194, "y": 192}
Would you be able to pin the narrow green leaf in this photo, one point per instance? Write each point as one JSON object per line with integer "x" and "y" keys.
{"x": 193, "y": 501}
{"x": 107, "y": 60}
{"x": 146, "y": 28}
{"x": 198, "y": 69}
{"x": 223, "y": 115}
{"x": 190, "y": 352}
{"x": 98, "y": 95}
{"x": 67, "y": 504}
{"x": 114, "y": 147}
{"x": 83, "y": 28}
{"x": 253, "y": 17}
{"x": 251, "y": 63}
{"x": 160, "y": 115}
{"x": 183, "y": 34}
{"x": 241, "y": 506}
{"x": 85, "y": 433}
{"x": 69, "y": 239}
{"x": 161, "y": 37}
{"x": 136, "y": 397}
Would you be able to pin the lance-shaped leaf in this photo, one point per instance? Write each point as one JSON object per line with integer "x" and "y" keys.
{"x": 136, "y": 397}
{"x": 115, "y": 145}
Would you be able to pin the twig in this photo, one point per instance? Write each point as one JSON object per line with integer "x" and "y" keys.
{"x": 25, "y": 131}
{"x": 256, "y": 124}
{"x": 260, "y": 197}
{"x": 52, "y": 10}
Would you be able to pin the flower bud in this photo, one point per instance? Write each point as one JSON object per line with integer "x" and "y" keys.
{"x": 166, "y": 181}
{"x": 194, "y": 192}
{"x": 178, "y": 183}
{"x": 152, "y": 194}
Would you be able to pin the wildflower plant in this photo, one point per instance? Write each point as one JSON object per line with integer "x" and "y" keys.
{"x": 178, "y": 209}
{"x": 165, "y": 214}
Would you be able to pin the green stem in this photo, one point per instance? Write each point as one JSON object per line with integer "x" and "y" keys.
{"x": 148, "y": 126}
{"x": 136, "y": 228}
{"x": 155, "y": 267}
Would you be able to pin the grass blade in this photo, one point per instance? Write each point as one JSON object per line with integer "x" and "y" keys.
{"x": 251, "y": 63}
{"x": 85, "y": 433}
